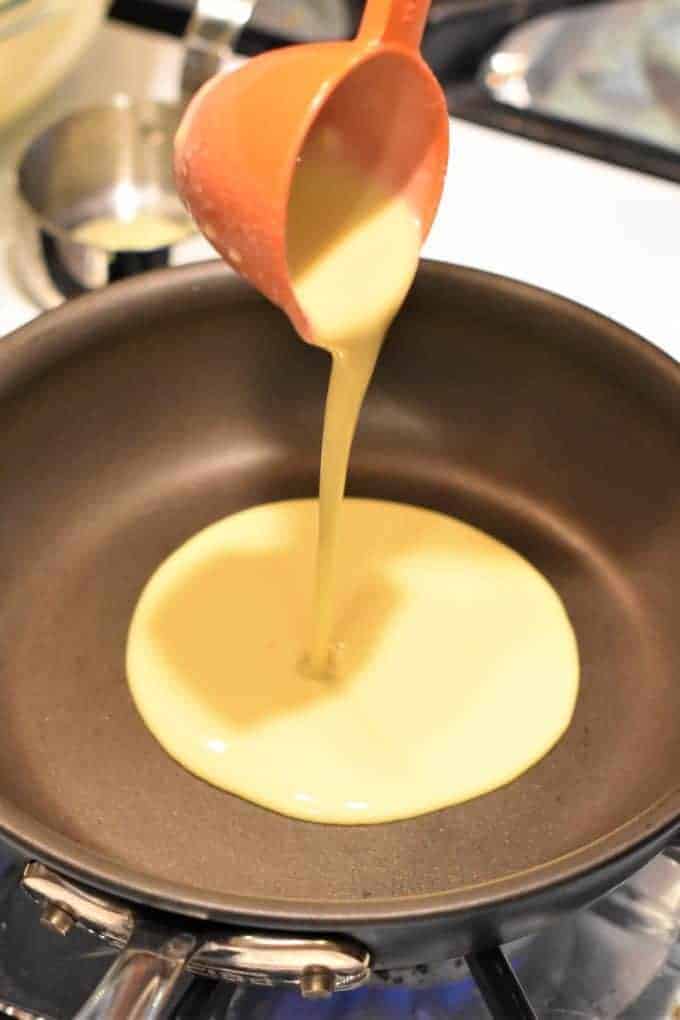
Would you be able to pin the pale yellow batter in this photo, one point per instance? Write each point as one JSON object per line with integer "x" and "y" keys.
{"x": 352, "y": 253}
{"x": 144, "y": 232}
{"x": 428, "y": 663}
{"x": 456, "y": 668}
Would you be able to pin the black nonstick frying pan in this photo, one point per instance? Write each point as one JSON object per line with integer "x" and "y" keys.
{"x": 132, "y": 418}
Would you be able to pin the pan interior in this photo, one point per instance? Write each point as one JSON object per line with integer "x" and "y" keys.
{"x": 535, "y": 421}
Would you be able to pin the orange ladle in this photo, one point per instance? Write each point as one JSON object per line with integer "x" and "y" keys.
{"x": 243, "y": 134}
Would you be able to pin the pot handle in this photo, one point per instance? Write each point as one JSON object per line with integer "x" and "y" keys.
{"x": 208, "y": 40}
{"x": 146, "y": 977}
{"x": 144, "y": 980}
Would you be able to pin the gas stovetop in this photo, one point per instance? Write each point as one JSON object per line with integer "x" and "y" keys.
{"x": 618, "y": 959}
{"x": 513, "y": 207}
{"x": 576, "y": 74}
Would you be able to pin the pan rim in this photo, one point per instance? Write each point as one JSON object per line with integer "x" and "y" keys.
{"x": 643, "y": 836}
{"x": 31, "y": 346}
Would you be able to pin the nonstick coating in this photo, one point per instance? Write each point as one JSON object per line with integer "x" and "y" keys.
{"x": 130, "y": 419}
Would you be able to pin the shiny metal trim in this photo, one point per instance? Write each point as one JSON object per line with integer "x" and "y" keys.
{"x": 129, "y": 170}
{"x": 673, "y": 849}
{"x": 318, "y": 966}
{"x": 212, "y": 30}
{"x": 19, "y": 1013}
{"x": 143, "y": 982}
{"x": 105, "y": 918}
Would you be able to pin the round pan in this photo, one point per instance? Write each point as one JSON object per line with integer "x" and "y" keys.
{"x": 132, "y": 418}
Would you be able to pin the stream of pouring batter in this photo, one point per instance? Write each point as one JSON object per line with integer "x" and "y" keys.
{"x": 352, "y": 253}
{"x": 433, "y": 664}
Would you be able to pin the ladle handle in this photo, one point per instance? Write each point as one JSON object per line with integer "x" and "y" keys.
{"x": 394, "y": 21}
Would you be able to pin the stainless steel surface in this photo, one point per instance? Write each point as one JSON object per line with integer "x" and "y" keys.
{"x": 317, "y": 966}
{"x": 8, "y": 1009}
{"x": 113, "y": 160}
{"x": 143, "y": 981}
{"x": 614, "y": 67}
{"x": 213, "y": 28}
{"x": 308, "y": 963}
{"x": 101, "y": 916}
{"x": 661, "y": 57}
{"x": 304, "y": 20}
{"x": 619, "y": 958}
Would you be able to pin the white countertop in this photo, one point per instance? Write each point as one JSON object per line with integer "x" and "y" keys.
{"x": 604, "y": 236}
